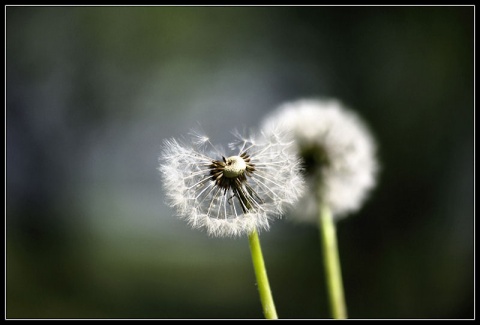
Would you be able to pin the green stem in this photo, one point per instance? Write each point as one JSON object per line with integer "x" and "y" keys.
{"x": 333, "y": 271}
{"x": 261, "y": 275}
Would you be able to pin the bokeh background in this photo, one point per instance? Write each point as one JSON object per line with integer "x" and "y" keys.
{"x": 93, "y": 91}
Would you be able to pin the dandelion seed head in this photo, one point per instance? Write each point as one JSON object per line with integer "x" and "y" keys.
{"x": 337, "y": 149}
{"x": 231, "y": 193}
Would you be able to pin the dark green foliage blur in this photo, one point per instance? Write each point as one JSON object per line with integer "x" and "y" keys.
{"x": 93, "y": 91}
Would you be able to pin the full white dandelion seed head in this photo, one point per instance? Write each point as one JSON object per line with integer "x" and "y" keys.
{"x": 231, "y": 193}
{"x": 337, "y": 150}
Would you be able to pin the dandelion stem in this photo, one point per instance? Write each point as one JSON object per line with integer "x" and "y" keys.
{"x": 333, "y": 271}
{"x": 266, "y": 298}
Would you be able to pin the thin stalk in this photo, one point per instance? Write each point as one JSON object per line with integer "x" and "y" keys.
{"x": 333, "y": 271}
{"x": 266, "y": 298}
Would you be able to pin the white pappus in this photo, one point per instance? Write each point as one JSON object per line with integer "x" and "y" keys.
{"x": 338, "y": 152}
{"x": 231, "y": 193}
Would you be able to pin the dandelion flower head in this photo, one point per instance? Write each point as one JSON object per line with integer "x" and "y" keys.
{"x": 231, "y": 192}
{"x": 338, "y": 152}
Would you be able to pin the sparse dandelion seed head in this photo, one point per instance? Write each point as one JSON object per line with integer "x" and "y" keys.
{"x": 337, "y": 150}
{"x": 231, "y": 193}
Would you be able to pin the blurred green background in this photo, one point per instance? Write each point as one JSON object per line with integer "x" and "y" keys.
{"x": 93, "y": 91}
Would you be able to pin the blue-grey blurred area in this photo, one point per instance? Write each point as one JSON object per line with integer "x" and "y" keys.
{"x": 93, "y": 91}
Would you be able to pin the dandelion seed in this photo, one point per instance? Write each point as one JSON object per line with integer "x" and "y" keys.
{"x": 340, "y": 165}
{"x": 337, "y": 149}
{"x": 234, "y": 193}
